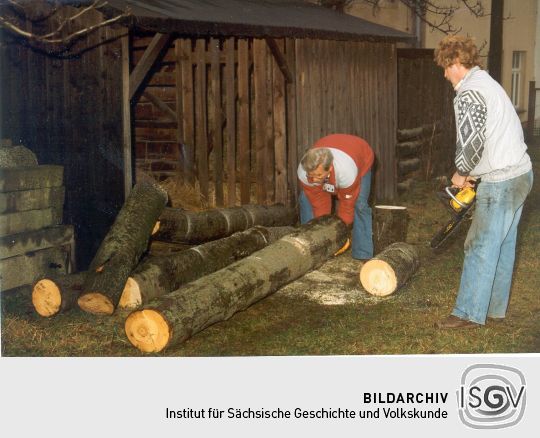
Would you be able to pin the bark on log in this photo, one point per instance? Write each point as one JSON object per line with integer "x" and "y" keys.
{"x": 404, "y": 186}
{"x": 16, "y": 156}
{"x": 409, "y": 165}
{"x": 17, "y": 244}
{"x": 24, "y": 269}
{"x": 390, "y": 225}
{"x": 408, "y": 148}
{"x": 390, "y": 269}
{"x": 36, "y": 199}
{"x": 122, "y": 248}
{"x": 409, "y": 134}
{"x": 57, "y": 293}
{"x": 158, "y": 276}
{"x": 175, "y": 317}
{"x": 197, "y": 227}
{"x": 28, "y": 178}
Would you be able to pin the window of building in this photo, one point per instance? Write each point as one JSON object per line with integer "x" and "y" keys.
{"x": 518, "y": 62}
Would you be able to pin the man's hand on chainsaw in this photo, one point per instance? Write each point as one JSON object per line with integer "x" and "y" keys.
{"x": 462, "y": 181}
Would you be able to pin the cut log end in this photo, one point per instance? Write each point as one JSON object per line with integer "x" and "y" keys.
{"x": 131, "y": 296}
{"x": 378, "y": 278}
{"x": 46, "y": 298}
{"x": 147, "y": 330}
{"x": 96, "y": 303}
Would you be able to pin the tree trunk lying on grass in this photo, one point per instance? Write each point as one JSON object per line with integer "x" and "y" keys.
{"x": 175, "y": 317}
{"x": 58, "y": 293}
{"x": 122, "y": 248}
{"x": 390, "y": 269}
{"x": 160, "y": 275}
{"x": 181, "y": 226}
{"x": 389, "y": 226}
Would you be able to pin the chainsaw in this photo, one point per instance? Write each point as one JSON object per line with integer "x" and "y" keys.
{"x": 459, "y": 203}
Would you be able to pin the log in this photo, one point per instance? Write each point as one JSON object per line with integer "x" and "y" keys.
{"x": 404, "y": 186}
{"x": 122, "y": 248}
{"x": 16, "y": 156}
{"x": 24, "y": 269}
{"x": 53, "y": 294}
{"x": 19, "y": 222}
{"x": 408, "y": 148}
{"x": 197, "y": 227}
{"x": 390, "y": 269}
{"x": 389, "y": 226}
{"x": 28, "y": 178}
{"x": 18, "y": 244}
{"x": 408, "y": 165}
{"x": 161, "y": 275}
{"x": 409, "y": 134}
{"x": 36, "y": 199}
{"x": 175, "y": 317}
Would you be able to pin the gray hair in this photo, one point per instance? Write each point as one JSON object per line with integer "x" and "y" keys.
{"x": 313, "y": 158}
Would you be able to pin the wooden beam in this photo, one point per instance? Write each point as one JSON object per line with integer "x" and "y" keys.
{"x": 530, "y": 112}
{"x": 148, "y": 59}
{"x": 126, "y": 118}
{"x": 162, "y": 106}
{"x": 230, "y": 97}
{"x": 280, "y": 59}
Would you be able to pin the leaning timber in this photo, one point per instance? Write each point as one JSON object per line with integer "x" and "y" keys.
{"x": 122, "y": 248}
{"x": 160, "y": 275}
{"x": 181, "y": 226}
{"x": 175, "y": 317}
{"x": 389, "y": 270}
{"x": 57, "y": 293}
{"x": 389, "y": 226}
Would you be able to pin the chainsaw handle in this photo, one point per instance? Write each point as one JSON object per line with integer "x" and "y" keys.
{"x": 449, "y": 193}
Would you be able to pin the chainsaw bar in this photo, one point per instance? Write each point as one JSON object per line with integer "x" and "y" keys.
{"x": 449, "y": 228}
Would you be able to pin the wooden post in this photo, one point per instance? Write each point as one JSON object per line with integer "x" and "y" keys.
{"x": 243, "y": 121}
{"x": 230, "y": 96}
{"x": 201, "y": 134}
{"x": 217, "y": 133}
{"x": 126, "y": 119}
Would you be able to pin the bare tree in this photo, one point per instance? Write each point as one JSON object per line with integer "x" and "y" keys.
{"x": 431, "y": 12}
{"x": 18, "y": 16}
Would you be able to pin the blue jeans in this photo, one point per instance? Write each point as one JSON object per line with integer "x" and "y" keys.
{"x": 490, "y": 249}
{"x": 362, "y": 238}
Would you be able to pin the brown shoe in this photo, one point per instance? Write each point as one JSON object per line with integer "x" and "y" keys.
{"x": 453, "y": 322}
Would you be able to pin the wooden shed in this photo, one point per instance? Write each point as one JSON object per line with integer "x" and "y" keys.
{"x": 226, "y": 94}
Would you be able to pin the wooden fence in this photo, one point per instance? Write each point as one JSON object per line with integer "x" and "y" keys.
{"x": 425, "y": 99}
{"x": 239, "y": 112}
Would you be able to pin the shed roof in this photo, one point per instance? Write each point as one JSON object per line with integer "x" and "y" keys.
{"x": 252, "y": 18}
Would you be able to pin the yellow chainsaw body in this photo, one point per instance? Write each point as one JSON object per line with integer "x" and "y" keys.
{"x": 465, "y": 196}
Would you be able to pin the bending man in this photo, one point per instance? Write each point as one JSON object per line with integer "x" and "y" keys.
{"x": 339, "y": 165}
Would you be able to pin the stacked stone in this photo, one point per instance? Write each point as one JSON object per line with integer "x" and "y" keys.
{"x": 32, "y": 240}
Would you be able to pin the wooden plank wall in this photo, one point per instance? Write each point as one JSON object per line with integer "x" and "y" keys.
{"x": 230, "y": 137}
{"x": 349, "y": 87}
{"x": 69, "y": 112}
{"x": 237, "y": 107}
{"x": 426, "y": 98}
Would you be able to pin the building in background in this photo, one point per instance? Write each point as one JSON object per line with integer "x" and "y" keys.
{"x": 520, "y": 60}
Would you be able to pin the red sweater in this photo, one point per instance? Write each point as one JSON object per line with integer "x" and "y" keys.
{"x": 353, "y": 158}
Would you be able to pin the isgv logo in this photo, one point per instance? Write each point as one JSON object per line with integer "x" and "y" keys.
{"x": 491, "y": 396}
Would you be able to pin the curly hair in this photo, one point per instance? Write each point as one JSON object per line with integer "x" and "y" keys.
{"x": 313, "y": 158}
{"x": 454, "y": 47}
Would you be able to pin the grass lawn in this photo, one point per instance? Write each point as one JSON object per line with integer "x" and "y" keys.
{"x": 326, "y": 312}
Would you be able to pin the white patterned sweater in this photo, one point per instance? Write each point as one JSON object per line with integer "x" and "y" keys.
{"x": 489, "y": 141}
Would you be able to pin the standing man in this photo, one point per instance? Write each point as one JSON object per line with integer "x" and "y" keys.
{"x": 339, "y": 165}
{"x": 489, "y": 146}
